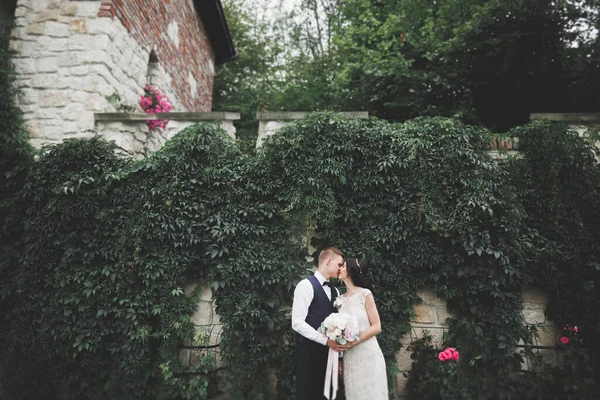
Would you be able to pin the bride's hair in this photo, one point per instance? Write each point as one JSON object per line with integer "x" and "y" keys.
{"x": 359, "y": 272}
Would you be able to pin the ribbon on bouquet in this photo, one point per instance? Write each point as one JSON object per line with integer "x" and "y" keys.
{"x": 331, "y": 375}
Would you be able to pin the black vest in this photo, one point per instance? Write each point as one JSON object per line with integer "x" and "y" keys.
{"x": 320, "y": 307}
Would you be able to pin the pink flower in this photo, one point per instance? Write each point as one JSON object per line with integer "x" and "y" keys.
{"x": 575, "y": 329}
{"x": 449, "y": 354}
{"x": 564, "y": 340}
{"x": 154, "y": 101}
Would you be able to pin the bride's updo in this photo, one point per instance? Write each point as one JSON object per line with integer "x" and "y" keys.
{"x": 359, "y": 272}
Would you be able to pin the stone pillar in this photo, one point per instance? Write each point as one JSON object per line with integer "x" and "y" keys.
{"x": 270, "y": 122}
{"x": 130, "y": 133}
{"x": 430, "y": 319}
{"x": 534, "y": 306}
{"x": 207, "y": 325}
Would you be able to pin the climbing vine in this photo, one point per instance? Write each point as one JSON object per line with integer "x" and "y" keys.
{"x": 92, "y": 288}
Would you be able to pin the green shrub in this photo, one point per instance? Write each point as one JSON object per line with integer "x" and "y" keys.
{"x": 92, "y": 287}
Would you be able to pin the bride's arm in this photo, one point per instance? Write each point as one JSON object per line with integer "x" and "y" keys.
{"x": 374, "y": 320}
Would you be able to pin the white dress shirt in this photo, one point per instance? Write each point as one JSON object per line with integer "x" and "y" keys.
{"x": 303, "y": 296}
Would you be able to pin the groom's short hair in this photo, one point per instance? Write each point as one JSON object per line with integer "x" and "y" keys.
{"x": 329, "y": 252}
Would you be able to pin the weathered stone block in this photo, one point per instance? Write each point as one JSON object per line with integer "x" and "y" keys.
{"x": 91, "y": 83}
{"x": 19, "y": 32}
{"x": 534, "y": 317}
{"x": 403, "y": 359}
{"x": 425, "y": 315}
{"x": 94, "y": 57}
{"x": 72, "y": 111}
{"x": 548, "y": 335}
{"x": 88, "y": 9}
{"x": 53, "y": 132}
{"x": 80, "y": 70}
{"x": 58, "y": 45}
{"x": 78, "y": 25}
{"x": 44, "y": 81}
{"x": 34, "y": 29}
{"x": 69, "y": 8}
{"x": 69, "y": 127}
{"x": 430, "y": 298}
{"x": 81, "y": 42}
{"x": 95, "y": 102}
{"x": 53, "y": 98}
{"x": 34, "y": 129}
{"x": 443, "y": 315}
{"x": 24, "y": 66}
{"x": 69, "y": 59}
{"x": 79, "y": 97}
{"x": 55, "y": 29}
{"x": 28, "y": 96}
{"x": 102, "y": 26}
{"x": 102, "y": 42}
{"x": 203, "y": 314}
{"x": 86, "y": 120}
{"x": 534, "y": 298}
{"x": 15, "y": 46}
{"x": 75, "y": 83}
{"x": 401, "y": 382}
{"x": 49, "y": 114}
{"x": 47, "y": 15}
{"x": 21, "y": 11}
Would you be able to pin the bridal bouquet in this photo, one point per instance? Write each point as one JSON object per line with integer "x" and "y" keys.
{"x": 342, "y": 328}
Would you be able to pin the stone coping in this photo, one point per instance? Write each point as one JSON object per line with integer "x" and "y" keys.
{"x": 172, "y": 116}
{"x": 568, "y": 117}
{"x": 295, "y": 115}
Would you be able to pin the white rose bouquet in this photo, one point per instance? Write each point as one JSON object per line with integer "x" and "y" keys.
{"x": 342, "y": 328}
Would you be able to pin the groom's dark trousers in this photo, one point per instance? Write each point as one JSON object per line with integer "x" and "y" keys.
{"x": 311, "y": 357}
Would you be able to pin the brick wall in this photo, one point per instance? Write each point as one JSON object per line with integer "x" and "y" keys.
{"x": 172, "y": 28}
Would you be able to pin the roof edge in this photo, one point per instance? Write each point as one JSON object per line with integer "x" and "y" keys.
{"x": 215, "y": 24}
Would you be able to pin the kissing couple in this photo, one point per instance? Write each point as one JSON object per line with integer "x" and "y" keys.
{"x": 314, "y": 297}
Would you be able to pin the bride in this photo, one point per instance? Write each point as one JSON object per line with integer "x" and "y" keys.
{"x": 364, "y": 366}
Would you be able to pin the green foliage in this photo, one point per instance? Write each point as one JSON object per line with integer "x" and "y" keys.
{"x": 15, "y": 152}
{"x": 486, "y": 62}
{"x": 431, "y": 378}
{"x": 92, "y": 287}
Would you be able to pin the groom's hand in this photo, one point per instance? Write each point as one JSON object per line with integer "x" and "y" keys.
{"x": 335, "y": 346}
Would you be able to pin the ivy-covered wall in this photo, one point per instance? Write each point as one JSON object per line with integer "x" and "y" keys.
{"x": 101, "y": 248}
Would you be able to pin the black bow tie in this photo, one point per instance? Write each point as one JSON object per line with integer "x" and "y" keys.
{"x": 327, "y": 283}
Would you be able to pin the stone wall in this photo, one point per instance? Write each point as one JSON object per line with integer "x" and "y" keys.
{"x": 430, "y": 320}
{"x": 270, "y": 122}
{"x": 579, "y": 121}
{"x": 71, "y": 55}
{"x": 130, "y": 132}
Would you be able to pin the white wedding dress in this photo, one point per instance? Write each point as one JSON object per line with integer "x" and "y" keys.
{"x": 365, "y": 377}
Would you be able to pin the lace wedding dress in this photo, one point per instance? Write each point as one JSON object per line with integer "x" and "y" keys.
{"x": 364, "y": 366}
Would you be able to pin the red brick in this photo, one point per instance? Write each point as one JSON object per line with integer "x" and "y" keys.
{"x": 148, "y": 21}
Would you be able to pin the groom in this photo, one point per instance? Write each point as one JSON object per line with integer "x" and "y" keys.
{"x": 313, "y": 302}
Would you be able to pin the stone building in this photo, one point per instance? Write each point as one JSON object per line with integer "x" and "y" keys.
{"x": 71, "y": 55}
